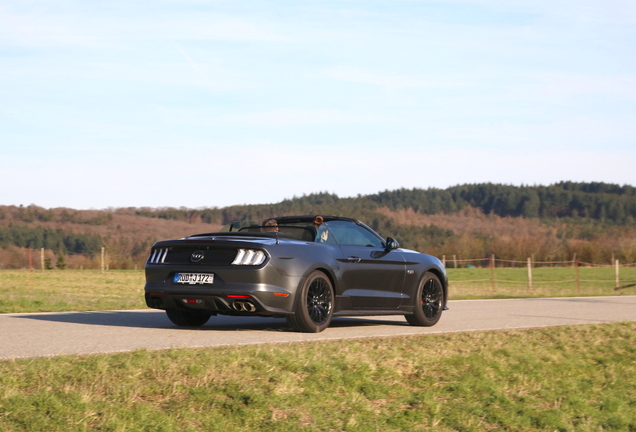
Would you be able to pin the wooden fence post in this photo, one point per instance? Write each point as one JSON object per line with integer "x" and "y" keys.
{"x": 455, "y": 260}
{"x": 529, "y": 273}
{"x": 492, "y": 272}
{"x": 102, "y": 259}
{"x": 443, "y": 261}
{"x": 618, "y": 279}
{"x": 578, "y": 279}
{"x": 42, "y": 258}
{"x": 31, "y": 269}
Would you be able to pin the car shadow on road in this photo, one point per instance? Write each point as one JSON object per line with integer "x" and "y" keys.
{"x": 159, "y": 320}
{"x": 104, "y": 318}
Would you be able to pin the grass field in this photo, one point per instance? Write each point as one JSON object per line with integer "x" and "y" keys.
{"x": 476, "y": 283}
{"x": 70, "y": 290}
{"x": 85, "y": 290}
{"x": 572, "y": 378}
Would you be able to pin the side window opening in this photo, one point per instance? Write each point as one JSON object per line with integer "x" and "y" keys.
{"x": 349, "y": 234}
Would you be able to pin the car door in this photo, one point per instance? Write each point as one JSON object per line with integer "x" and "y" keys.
{"x": 370, "y": 275}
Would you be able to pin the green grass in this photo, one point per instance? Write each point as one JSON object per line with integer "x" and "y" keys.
{"x": 474, "y": 283}
{"x": 70, "y": 290}
{"x": 574, "y": 378}
{"x": 86, "y": 290}
{"x": 580, "y": 378}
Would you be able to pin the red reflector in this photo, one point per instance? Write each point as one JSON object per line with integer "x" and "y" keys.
{"x": 156, "y": 294}
{"x": 237, "y": 296}
{"x": 281, "y": 294}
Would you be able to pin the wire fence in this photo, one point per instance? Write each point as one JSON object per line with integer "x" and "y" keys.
{"x": 41, "y": 259}
{"x": 479, "y": 276}
{"x": 476, "y": 277}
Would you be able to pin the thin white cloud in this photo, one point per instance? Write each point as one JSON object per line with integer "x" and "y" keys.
{"x": 393, "y": 81}
{"x": 77, "y": 24}
{"x": 618, "y": 86}
{"x": 284, "y": 117}
{"x": 287, "y": 117}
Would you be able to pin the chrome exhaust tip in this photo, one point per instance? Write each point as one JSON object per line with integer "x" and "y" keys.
{"x": 243, "y": 306}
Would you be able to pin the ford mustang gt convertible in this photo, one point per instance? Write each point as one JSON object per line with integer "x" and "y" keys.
{"x": 304, "y": 268}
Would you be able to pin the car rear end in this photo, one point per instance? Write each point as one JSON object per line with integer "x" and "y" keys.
{"x": 218, "y": 274}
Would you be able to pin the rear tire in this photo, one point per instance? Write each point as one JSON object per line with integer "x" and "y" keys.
{"x": 314, "y": 301}
{"x": 429, "y": 302}
{"x": 186, "y": 318}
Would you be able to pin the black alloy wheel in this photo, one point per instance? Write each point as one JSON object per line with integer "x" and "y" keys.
{"x": 314, "y": 304}
{"x": 319, "y": 301}
{"x": 429, "y": 302}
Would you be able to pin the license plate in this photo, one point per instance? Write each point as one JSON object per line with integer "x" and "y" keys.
{"x": 194, "y": 278}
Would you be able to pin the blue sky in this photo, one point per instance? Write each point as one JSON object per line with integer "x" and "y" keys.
{"x": 215, "y": 103}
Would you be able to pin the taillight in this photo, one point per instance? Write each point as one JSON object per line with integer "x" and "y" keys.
{"x": 158, "y": 256}
{"x": 249, "y": 257}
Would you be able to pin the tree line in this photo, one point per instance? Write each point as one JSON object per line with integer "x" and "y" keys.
{"x": 588, "y": 219}
{"x": 53, "y": 239}
{"x": 599, "y": 201}
{"x": 34, "y": 213}
{"x": 594, "y": 221}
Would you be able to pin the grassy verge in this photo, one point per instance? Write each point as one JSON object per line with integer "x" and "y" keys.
{"x": 576, "y": 378}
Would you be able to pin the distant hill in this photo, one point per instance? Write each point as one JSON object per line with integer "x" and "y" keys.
{"x": 600, "y": 201}
{"x": 596, "y": 221}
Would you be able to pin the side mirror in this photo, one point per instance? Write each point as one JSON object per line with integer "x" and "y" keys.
{"x": 391, "y": 243}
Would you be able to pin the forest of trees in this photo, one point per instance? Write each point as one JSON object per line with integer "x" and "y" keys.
{"x": 596, "y": 221}
{"x": 34, "y": 213}
{"x": 53, "y": 239}
{"x": 599, "y": 201}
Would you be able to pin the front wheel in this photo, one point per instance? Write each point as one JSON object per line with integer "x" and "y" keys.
{"x": 313, "y": 305}
{"x": 186, "y": 318}
{"x": 429, "y": 302}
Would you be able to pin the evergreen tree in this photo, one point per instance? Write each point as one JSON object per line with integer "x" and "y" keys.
{"x": 531, "y": 205}
{"x": 61, "y": 262}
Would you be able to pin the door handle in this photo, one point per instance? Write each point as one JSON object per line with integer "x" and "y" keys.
{"x": 354, "y": 259}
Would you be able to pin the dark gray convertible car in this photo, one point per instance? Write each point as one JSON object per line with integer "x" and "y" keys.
{"x": 307, "y": 269}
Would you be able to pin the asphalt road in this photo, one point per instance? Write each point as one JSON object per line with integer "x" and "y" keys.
{"x": 51, "y": 334}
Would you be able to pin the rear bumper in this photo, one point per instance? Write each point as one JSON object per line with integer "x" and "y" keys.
{"x": 263, "y": 304}
{"x": 270, "y": 293}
